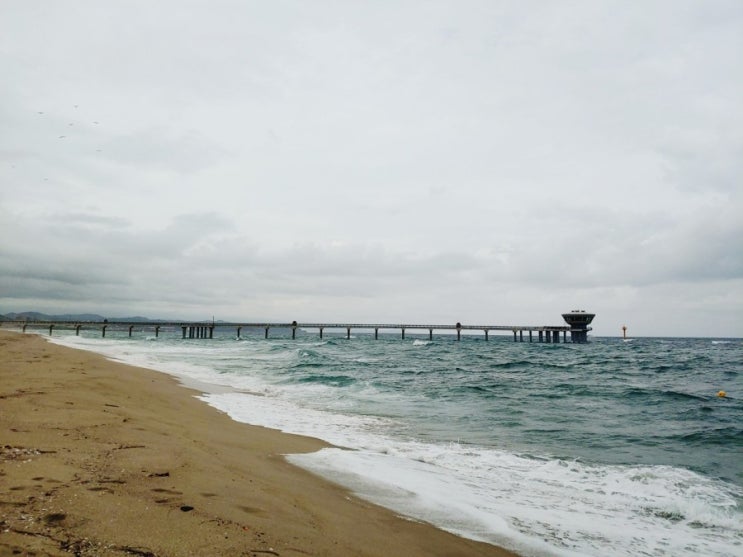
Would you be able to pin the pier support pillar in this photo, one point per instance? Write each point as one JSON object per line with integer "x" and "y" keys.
{"x": 321, "y": 333}
{"x": 376, "y": 333}
{"x": 211, "y": 331}
{"x": 486, "y": 334}
{"x": 403, "y": 334}
{"x": 266, "y": 334}
{"x": 459, "y": 331}
{"x": 521, "y": 336}
{"x": 184, "y": 330}
{"x": 514, "y": 337}
{"x": 564, "y": 337}
{"x": 348, "y": 333}
{"x": 541, "y": 336}
{"x": 529, "y": 335}
{"x": 430, "y": 334}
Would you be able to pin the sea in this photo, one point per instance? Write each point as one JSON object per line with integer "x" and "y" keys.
{"x": 611, "y": 448}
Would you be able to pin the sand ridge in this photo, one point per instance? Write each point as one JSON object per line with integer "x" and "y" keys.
{"x": 100, "y": 458}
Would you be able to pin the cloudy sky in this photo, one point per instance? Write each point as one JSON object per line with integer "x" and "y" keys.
{"x": 489, "y": 162}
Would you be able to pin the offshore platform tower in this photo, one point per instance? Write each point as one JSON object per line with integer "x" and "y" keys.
{"x": 578, "y": 321}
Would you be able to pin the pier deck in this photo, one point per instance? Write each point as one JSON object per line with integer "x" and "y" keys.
{"x": 544, "y": 333}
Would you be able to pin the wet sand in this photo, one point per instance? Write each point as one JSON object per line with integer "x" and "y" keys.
{"x": 100, "y": 458}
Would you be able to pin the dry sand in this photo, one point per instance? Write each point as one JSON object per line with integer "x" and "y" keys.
{"x": 100, "y": 458}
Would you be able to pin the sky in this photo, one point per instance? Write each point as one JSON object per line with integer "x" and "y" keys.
{"x": 484, "y": 162}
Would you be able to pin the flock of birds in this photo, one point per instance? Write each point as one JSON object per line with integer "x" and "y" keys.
{"x": 65, "y": 136}
{"x": 95, "y": 123}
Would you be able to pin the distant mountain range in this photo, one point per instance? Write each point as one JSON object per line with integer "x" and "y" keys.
{"x": 37, "y": 316}
{"x": 82, "y": 317}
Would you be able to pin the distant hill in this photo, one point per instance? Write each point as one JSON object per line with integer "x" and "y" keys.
{"x": 37, "y": 316}
{"x": 75, "y": 317}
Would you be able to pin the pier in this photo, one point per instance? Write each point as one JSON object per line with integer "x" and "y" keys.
{"x": 578, "y": 328}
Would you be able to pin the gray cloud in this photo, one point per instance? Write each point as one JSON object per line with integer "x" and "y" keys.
{"x": 478, "y": 162}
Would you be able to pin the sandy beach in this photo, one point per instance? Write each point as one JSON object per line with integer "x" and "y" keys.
{"x": 100, "y": 458}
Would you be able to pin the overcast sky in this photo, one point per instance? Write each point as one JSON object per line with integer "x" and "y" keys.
{"x": 488, "y": 162}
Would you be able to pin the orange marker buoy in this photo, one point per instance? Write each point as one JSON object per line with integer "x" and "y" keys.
{"x": 722, "y": 394}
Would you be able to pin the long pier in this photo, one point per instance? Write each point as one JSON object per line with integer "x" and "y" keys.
{"x": 205, "y": 330}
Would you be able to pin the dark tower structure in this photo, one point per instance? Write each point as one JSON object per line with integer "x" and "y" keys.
{"x": 578, "y": 321}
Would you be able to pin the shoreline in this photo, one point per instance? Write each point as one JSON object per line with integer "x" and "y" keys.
{"x": 101, "y": 458}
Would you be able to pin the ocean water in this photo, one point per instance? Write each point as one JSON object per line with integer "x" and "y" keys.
{"x": 611, "y": 448}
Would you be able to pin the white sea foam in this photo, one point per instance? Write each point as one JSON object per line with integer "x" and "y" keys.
{"x": 537, "y": 506}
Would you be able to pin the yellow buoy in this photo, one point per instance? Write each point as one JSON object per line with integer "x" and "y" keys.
{"x": 722, "y": 394}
